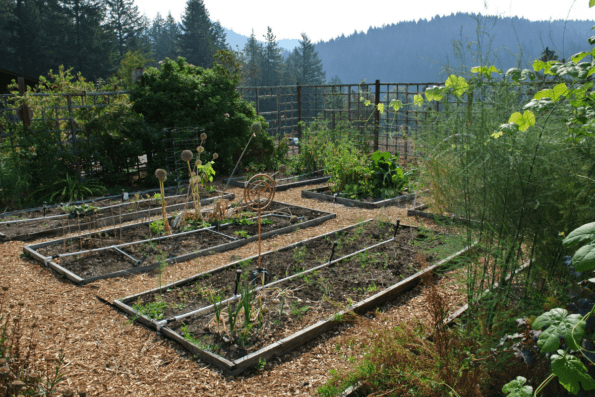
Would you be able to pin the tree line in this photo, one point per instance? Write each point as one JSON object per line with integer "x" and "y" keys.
{"x": 103, "y": 38}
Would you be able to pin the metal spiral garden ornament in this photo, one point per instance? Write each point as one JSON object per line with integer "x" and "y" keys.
{"x": 258, "y": 195}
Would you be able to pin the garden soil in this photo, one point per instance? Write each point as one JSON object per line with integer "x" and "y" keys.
{"x": 106, "y": 355}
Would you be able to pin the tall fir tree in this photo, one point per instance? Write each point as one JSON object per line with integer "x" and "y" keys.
{"x": 272, "y": 61}
{"x": 306, "y": 63}
{"x": 253, "y": 52}
{"x": 200, "y": 37}
{"x": 91, "y": 43}
{"x": 165, "y": 37}
{"x": 126, "y": 23}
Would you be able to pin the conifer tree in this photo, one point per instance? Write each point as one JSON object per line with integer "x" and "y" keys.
{"x": 272, "y": 61}
{"x": 305, "y": 64}
{"x": 253, "y": 52}
{"x": 200, "y": 37}
{"x": 126, "y": 23}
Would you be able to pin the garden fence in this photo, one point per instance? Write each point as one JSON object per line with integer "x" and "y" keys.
{"x": 286, "y": 107}
{"x": 283, "y": 107}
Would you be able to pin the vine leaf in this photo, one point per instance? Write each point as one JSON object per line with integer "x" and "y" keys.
{"x": 381, "y": 108}
{"x": 584, "y": 258}
{"x": 555, "y": 93}
{"x": 558, "y": 324}
{"x": 516, "y": 388}
{"x": 524, "y": 120}
{"x": 418, "y": 100}
{"x": 435, "y": 93}
{"x": 514, "y": 73}
{"x": 486, "y": 70}
{"x": 458, "y": 84}
{"x": 396, "y": 104}
{"x": 591, "y": 3}
{"x": 571, "y": 372}
{"x": 581, "y": 235}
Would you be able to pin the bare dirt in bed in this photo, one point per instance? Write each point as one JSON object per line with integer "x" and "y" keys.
{"x": 108, "y": 356}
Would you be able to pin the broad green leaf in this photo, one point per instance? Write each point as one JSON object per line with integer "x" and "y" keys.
{"x": 514, "y": 73}
{"x": 458, "y": 84}
{"x": 571, "y": 372}
{"x": 539, "y": 65}
{"x": 516, "y": 388}
{"x": 524, "y": 121}
{"x": 396, "y": 104}
{"x": 381, "y": 108}
{"x": 527, "y": 73}
{"x": 434, "y": 93}
{"x": 591, "y": 71}
{"x": 581, "y": 235}
{"x": 509, "y": 128}
{"x": 591, "y": 3}
{"x": 581, "y": 91}
{"x": 584, "y": 258}
{"x": 591, "y": 40}
{"x": 577, "y": 57}
{"x": 361, "y": 98}
{"x": 555, "y": 93}
{"x": 418, "y": 99}
{"x": 559, "y": 91}
{"x": 497, "y": 134}
{"x": 558, "y": 324}
{"x": 486, "y": 70}
{"x": 367, "y": 102}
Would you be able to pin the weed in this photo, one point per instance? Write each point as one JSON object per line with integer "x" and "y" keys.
{"x": 297, "y": 311}
{"x": 153, "y": 310}
{"x": 242, "y": 233}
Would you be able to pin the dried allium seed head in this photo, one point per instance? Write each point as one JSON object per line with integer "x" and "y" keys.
{"x": 200, "y": 149}
{"x": 256, "y": 127}
{"x": 283, "y": 168}
{"x": 17, "y": 385}
{"x": 215, "y": 155}
{"x": 21, "y": 304}
{"x": 4, "y": 288}
{"x": 293, "y": 219}
{"x": 187, "y": 155}
{"x": 198, "y": 163}
{"x": 203, "y": 136}
{"x": 161, "y": 174}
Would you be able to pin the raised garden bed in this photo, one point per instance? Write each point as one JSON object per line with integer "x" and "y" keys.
{"x": 32, "y": 224}
{"x": 422, "y": 210}
{"x": 325, "y": 194}
{"x": 286, "y": 182}
{"x": 134, "y": 249}
{"x": 301, "y": 300}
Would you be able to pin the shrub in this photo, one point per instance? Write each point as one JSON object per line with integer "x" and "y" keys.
{"x": 181, "y": 95}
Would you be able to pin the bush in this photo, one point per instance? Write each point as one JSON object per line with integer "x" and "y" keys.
{"x": 182, "y": 95}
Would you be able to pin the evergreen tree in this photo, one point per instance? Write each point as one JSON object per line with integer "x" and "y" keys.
{"x": 272, "y": 61}
{"x": 126, "y": 23}
{"x": 200, "y": 39}
{"x": 89, "y": 48}
{"x": 219, "y": 37}
{"x": 253, "y": 52}
{"x": 307, "y": 65}
{"x": 164, "y": 35}
{"x": 28, "y": 39}
{"x": 7, "y": 8}
{"x": 291, "y": 72}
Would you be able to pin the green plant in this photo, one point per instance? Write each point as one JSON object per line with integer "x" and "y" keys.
{"x": 261, "y": 363}
{"x": 242, "y": 233}
{"x": 298, "y": 311}
{"x": 69, "y": 189}
{"x": 179, "y": 95}
{"x": 154, "y": 310}
{"x": 162, "y": 177}
{"x": 162, "y": 262}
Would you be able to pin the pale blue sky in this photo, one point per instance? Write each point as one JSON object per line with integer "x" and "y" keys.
{"x": 325, "y": 19}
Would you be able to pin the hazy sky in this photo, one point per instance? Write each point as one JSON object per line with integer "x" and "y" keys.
{"x": 325, "y": 19}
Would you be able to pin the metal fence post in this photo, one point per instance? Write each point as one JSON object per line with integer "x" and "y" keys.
{"x": 278, "y": 113}
{"x": 24, "y": 108}
{"x": 73, "y": 133}
{"x": 376, "y": 114}
{"x": 299, "y": 113}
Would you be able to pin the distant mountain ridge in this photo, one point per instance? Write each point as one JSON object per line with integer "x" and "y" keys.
{"x": 235, "y": 39}
{"x": 403, "y": 52}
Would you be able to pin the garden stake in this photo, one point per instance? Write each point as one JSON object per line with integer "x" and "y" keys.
{"x": 397, "y": 228}
{"x": 122, "y": 196}
{"x": 238, "y": 274}
{"x": 44, "y": 203}
{"x": 255, "y": 128}
{"x": 259, "y": 185}
{"x": 332, "y": 252}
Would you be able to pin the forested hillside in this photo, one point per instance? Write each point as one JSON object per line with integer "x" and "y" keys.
{"x": 403, "y": 52}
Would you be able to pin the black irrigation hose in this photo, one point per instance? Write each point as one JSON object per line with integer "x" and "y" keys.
{"x": 238, "y": 275}
{"x": 333, "y": 251}
{"x": 397, "y": 228}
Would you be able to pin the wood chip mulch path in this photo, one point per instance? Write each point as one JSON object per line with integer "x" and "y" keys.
{"x": 108, "y": 356}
